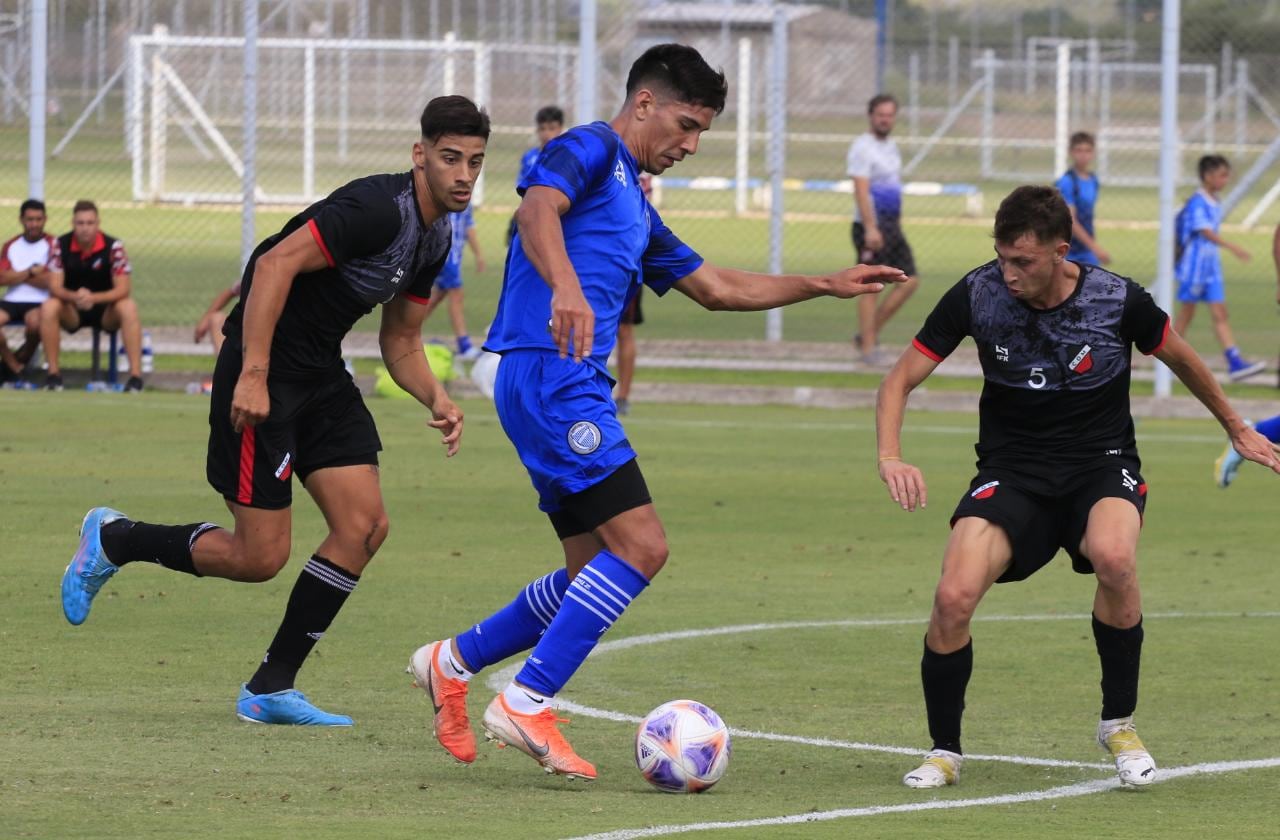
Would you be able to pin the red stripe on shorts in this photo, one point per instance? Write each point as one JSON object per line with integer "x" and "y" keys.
{"x": 245, "y": 495}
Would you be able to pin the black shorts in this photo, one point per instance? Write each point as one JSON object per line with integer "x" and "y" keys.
{"x": 1039, "y": 524}
{"x": 896, "y": 251}
{"x": 16, "y": 311}
{"x": 91, "y": 317}
{"x": 586, "y": 510}
{"x": 313, "y": 423}
{"x": 633, "y": 314}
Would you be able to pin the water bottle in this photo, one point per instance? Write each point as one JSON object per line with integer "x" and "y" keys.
{"x": 148, "y": 359}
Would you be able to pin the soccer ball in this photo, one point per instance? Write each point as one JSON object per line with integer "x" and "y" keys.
{"x": 682, "y": 747}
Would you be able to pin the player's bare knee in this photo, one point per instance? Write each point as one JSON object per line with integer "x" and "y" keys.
{"x": 1114, "y": 568}
{"x": 363, "y": 531}
{"x": 648, "y": 556}
{"x": 955, "y": 602}
{"x": 261, "y": 564}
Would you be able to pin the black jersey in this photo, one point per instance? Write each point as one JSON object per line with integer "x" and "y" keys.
{"x": 377, "y": 247}
{"x": 1056, "y": 390}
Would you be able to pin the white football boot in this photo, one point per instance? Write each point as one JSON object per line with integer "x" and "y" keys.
{"x": 1134, "y": 765}
{"x": 940, "y": 768}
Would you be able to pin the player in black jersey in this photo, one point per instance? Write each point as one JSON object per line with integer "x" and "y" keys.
{"x": 283, "y": 403}
{"x": 1057, "y": 461}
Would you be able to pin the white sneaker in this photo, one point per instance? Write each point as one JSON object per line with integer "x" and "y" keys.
{"x": 940, "y": 768}
{"x": 472, "y": 354}
{"x": 1134, "y": 765}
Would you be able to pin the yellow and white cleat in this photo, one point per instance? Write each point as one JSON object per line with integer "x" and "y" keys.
{"x": 940, "y": 768}
{"x": 1134, "y": 765}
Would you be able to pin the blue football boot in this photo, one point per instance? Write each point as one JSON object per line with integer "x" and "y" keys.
{"x": 287, "y": 707}
{"x": 89, "y": 567}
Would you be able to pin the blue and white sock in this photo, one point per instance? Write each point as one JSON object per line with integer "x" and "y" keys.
{"x": 593, "y": 602}
{"x": 464, "y": 344}
{"x": 517, "y": 626}
{"x": 1270, "y": 428}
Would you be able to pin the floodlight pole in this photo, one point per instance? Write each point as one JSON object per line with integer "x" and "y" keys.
{"x": 1170, "y": 20}
{"x": 37, "y": 110}
{"x": 249, "y": 140}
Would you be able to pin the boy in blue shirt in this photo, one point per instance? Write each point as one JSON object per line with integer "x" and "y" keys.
{"x": 587, "y": 239}
{"x": 550, "y": 124}
{"x": 1199, "y": 265}
{"x": 1079, "y": 187}
{"x": 449, "y": 280}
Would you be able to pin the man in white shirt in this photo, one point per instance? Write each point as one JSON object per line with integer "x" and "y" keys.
{"x": 24, "y": 274}
{"x": 876, "y": 168}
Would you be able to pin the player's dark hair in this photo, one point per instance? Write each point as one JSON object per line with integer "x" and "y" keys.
{"x": 1081, "y": 138}
{"x": 453, "y": 115}
{"x": 681, "y": 71}
{"x": 84, "y": 205}
{"x": 879, "y": 99}
{"x": 549, "y": 114}
{"x": 1040, "y": 211}
{"x": 1209, "y": 163}
{"x": 31, "y": 204}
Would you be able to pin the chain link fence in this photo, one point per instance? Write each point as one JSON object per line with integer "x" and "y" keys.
{"x": 145, "y": 116}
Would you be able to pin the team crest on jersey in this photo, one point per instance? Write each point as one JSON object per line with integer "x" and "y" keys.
{"x": 1002, "y": 353}
{"x": 1082, "y": 361}
{"x": 620, "y": 174}
{"x": 986, "y": 491}
{"x": 584, "y": 437}
{"x": 285, "y": 469}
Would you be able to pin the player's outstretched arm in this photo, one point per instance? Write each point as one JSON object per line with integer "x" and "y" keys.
{"x": 905, "y": 481}
{"x": 732, "y": 289}
{"x": 400, "y": 339}
{"x": 538, "y": 218}
{"x": 1189, "y": 368}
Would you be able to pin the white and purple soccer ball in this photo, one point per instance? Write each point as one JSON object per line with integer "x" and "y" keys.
{"x": 682, "y": 747}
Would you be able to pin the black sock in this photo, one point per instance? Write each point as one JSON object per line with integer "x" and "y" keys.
{"x": 320, "y": 592}
{"x": 126, "y": 541}
{"x": 945, "y": 677}
{"x": 1120, "y": 652}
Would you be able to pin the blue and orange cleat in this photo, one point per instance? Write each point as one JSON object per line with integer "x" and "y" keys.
{"x": 89, "y": 567}
{"x": 289, "y": 707}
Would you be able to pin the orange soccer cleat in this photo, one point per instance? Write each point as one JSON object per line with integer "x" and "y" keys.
{"x": 449, "y": 699}
{"x": 536, "y": 736}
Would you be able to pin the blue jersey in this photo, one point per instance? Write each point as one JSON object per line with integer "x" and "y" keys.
{"x": 461, "y": 222}
{"x": 1082, "y": 195}
{"x": 527, "y": 160}
{"x": 1199, "y": 267}
{"x": 614, "y": 238}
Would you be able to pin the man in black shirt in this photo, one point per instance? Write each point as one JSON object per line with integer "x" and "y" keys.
{"x": 282, "y": 402}
{"x": 1057, "y": 461}
{"x": 90, "y": 285}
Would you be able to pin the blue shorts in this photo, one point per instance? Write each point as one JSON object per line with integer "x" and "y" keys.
{"x": 562, "y": 420}
{"x": 1200, "y": 279}
{"x": 447, "y": 279}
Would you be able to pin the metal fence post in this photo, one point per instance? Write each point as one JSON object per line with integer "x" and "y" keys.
{"x": 777, "y": 157}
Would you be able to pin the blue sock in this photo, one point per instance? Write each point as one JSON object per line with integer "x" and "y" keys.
{"x": 464, "y": 344}
{"x": 594, "y": 601}
{"x": 516, "y": 626}
{"x": 1232, "y": 354}
{"x": 1270, "y": 428}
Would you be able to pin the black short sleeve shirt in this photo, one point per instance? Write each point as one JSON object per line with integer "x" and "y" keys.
{"x": 1056, "y": 389}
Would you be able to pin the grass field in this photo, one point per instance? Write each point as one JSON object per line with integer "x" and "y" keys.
{"x": 124, "y": 727}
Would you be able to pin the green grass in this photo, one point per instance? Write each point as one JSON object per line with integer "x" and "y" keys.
{"x": 124, "y": 727}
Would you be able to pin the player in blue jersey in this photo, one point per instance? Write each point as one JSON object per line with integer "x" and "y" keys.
{"x": 1079, "y": 187}
{"x": 449, "y": 281}
{"x": 1199, "y": 265}
{"x": 549, "y": 122}
{"x": 1229, "y": 462}
{"x": 587, "y": 240}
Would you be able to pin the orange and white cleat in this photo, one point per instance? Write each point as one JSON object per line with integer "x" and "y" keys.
{"x": 538, "y": 737}
{"x": 448, "y": 697}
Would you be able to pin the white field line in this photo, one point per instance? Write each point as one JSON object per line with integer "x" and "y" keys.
{"x": 1062, "y": 792}
{"x": 499, "y": 679}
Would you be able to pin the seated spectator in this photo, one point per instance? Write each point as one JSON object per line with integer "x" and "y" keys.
{"x": 90, "y": 285}
{"x": 24, "y": 271}
{"x": 210, "y": 323}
